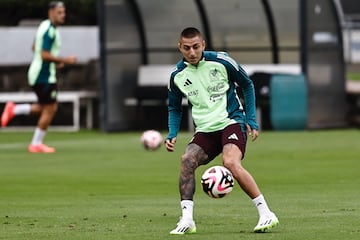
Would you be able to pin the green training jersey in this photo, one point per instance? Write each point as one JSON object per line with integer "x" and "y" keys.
{"x": 47, "y": 38}
{"x": 210, "y": 88}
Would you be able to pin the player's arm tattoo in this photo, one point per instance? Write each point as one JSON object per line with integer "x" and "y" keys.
{"x": 193, "y": 157}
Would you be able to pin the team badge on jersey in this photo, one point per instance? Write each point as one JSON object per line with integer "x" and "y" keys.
{"x": 214, "y": 75}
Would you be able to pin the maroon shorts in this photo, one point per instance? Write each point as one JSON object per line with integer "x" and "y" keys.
{"x": 46, "y": 93}
{"x": 212, "y": 142}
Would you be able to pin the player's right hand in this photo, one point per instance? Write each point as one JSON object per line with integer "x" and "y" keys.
{"x": 70, "y": 60}
{"x": 170, "y": 144}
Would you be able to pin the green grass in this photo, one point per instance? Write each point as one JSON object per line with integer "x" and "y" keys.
{"x": 355, "y": 76}
{"x": 106, "y": 186}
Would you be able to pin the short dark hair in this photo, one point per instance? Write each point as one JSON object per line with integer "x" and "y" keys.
{"x": 190, "y": 32}
{"x": 54, "y": 4}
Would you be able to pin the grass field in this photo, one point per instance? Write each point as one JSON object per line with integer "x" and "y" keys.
{"x": 106, "y": 186}
{"x": 353, "y": 76}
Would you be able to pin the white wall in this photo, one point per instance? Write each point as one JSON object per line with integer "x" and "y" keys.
{"x": 352, "y": 45}
{"x": 15, "y": 43}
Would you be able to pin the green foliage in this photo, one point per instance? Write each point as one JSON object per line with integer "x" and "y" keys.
{"x": 106, "y": 186}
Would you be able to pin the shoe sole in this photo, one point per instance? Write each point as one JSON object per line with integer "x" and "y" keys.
{"x": 40, "y": 152}
{"x": 191, "y": 231}
{"x": 267, "y": 228}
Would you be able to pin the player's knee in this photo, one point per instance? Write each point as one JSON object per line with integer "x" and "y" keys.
{"x": 231, "y": 154}
{"x": 188, "y": 161}
{"x": 228, "y": 163}
{"x": 231, "y": 163}
{"x": 51, "y": 109}
{"x": 55, "y": 107}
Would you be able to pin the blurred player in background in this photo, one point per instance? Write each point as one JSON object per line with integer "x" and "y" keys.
{"x": 42, "y": 78}
{"x": 208, "y": 80}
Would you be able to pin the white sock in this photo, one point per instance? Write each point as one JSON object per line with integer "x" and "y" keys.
{"x": 22, "y": 109}
{"x": 261, "y": 205}
{"x": 38, "y": 136}
{"x": 187, "y": 207}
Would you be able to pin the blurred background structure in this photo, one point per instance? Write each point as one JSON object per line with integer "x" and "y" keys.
{"x": 299, "y": 53}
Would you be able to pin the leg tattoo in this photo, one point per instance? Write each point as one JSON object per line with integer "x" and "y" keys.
{"x": 193, "y": 157}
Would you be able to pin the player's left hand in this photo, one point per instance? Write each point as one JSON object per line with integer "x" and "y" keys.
{"x": 60, "y": 65}
{"x": 253, "y": 133}
{"x": 170, "y": 144}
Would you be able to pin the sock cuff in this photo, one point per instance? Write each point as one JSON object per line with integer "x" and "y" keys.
{"x": 187, "y": 202}
{"x": 22, "y": 109}
{"x": 258, "y": 198}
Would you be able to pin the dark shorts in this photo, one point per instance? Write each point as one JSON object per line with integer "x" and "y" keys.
{"x": 46, "y": 93}
{"x": 212, "y": 143}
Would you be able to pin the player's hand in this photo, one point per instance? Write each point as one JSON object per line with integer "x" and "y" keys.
{"x": 70, "y": 60}
{"x": 60, "y": 65}
{"x": 170, "y": 145}
{"x": 253, "y": 133}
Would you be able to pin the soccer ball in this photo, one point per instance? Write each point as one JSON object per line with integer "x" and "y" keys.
{"x": 217, "y": 182}
{"x": 151, "y": 139}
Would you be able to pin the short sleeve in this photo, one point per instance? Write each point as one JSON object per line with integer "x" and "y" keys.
{"x": 48, "y": 39}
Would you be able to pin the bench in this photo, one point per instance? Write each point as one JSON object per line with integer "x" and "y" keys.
{"x": 151, "y": 88}
{"x": 353, "y": 87}
{"x": 152, "y": 83}
{"x": 77, "y": 98}
{"x": 153, "y": 80}
{"x": 353, "y": 96}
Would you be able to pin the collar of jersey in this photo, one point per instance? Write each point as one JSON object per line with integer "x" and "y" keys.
{"x": 201, "y": 62}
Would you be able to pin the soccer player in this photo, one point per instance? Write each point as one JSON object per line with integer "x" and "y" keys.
{"x": 42, "y": 78}
{"x": 208, "y": 80}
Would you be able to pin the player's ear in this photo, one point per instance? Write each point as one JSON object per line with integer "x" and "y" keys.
{"x": 179, "y": 45}
{"x": 203, "y": 44}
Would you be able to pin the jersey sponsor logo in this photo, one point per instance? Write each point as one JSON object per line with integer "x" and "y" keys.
{"x": 233, "y": 136}
{"x": 193, "y": 93}
{"x": 216, "y": 88}
{"x": 216, "y": 91}
{"x": 216, "y": 96}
